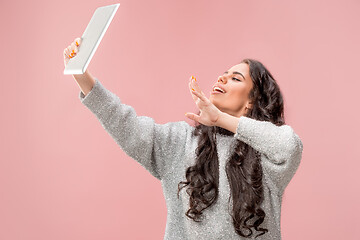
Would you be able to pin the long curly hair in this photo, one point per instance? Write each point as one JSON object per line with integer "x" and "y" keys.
{"x": 243, "y": 168}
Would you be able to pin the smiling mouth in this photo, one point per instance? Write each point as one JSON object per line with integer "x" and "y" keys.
{"x": 217, "y": 89}
{"x": 216, "y": 92}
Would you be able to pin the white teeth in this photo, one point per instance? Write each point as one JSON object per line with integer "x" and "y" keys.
{"x": 217, "y": 88}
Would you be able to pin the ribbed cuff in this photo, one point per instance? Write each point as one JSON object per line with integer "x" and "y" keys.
{"x": 243, "y": 127}
{"x": 96, "y": 98}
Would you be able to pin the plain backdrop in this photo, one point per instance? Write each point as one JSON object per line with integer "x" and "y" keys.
{"x": 63, "y": 177}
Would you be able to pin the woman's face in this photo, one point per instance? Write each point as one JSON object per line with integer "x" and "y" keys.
{"x": 236, "y": 83}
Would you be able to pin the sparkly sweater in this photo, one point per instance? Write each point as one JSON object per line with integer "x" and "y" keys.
{"x": 167, "y": 150}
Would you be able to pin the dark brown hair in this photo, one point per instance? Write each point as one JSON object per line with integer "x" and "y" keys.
{"x": 243, "y": 168}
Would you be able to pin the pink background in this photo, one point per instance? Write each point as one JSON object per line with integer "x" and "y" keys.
{"x": 63, "y": 177}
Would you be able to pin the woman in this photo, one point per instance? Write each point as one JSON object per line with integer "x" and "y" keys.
{"x": 235, "y": 163}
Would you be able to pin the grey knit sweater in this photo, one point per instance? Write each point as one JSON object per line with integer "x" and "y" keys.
{"x": 167, "y": 150}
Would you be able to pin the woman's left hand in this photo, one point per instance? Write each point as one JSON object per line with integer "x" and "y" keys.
{"x": 209, "y": 113}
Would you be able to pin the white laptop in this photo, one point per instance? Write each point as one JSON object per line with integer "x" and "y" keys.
{"x": 91, "y": 39}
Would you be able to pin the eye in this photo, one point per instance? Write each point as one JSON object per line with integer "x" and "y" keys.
{"x": 236, "y": 79}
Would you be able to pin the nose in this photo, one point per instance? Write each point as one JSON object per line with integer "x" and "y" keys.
{"x": 222, "y": 79}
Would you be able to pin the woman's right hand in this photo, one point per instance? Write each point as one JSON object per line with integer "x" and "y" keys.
{"x": 71, "y": 50}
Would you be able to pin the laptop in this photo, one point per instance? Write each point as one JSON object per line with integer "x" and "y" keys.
{"x": 91, "y": 39}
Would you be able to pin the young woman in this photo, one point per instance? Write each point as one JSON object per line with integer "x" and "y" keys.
{"x": 235, "y": 163}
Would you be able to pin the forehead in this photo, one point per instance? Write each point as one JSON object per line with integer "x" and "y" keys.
{"x": 242, "y": 68}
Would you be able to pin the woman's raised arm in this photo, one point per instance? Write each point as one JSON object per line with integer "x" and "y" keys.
{"x": 281, "y": 146}
{"x": 151, "y": 144}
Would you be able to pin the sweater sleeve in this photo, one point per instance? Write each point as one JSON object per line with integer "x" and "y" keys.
{"x": 280, "y": 145}
{"x": 152, "y": 145}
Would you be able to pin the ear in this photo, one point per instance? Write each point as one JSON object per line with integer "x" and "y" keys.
{"x": 249, "y": 105}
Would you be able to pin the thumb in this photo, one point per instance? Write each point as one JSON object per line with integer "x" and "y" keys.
{"x": 192, "y": 116}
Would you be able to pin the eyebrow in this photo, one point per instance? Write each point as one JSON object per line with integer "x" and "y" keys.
{"x": 236, "y": 73}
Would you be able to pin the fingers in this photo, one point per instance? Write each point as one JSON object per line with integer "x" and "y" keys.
{"x": 77, "y": 41}
{"x": 195, "y": 90}
{"x": 192, "y": 89}
{"x": 199, "y": 95}
{"x": 192, "y": 85}
{"x": 68, "y": 52}
{"x": 193, "y": 116}
{"x": 72, "y": 49}
{"x": 195, "y": 85}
